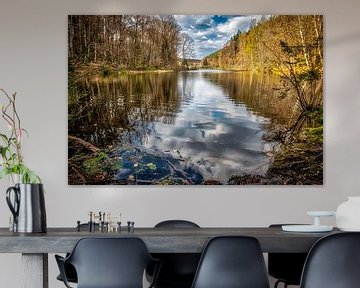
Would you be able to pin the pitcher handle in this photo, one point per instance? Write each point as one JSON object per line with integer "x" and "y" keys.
{"x": 13, "y": 208}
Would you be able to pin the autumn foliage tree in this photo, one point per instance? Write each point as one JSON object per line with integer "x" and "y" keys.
{"x": 290, "y": 46}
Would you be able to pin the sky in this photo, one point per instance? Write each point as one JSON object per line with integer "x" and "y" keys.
{"x": 211, "y": 32}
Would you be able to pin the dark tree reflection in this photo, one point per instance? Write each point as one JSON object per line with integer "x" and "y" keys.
{"x": 108, "y": 109}
{"x": 258, "y": 92}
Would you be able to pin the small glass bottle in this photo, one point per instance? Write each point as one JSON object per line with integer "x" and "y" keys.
{"x": 11, "y": 222}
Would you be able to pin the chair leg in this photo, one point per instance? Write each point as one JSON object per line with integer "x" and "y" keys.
{"x": 278, "y": 282}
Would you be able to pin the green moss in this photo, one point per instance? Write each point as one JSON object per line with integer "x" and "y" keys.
{"x": 101, "y": 163}
{"x": 122, "y": 72}
{"x": 95, "y": 165}
{"x": 315, "y": 134}
{"x": 316, "y": 114}
{"x": 172, "y": 181}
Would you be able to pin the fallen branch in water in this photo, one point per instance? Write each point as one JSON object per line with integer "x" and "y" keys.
{"x": 184, "y": 174}
{"x": 76, "y": 169}
{"x": 84, "y": 143}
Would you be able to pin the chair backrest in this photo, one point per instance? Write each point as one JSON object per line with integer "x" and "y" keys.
{"x": 286, "y": 267}
{"x": 333, "y": 262}
{"x": 176, "y": 224}
{"x": 178, "y": 269}
{"x": 110, "y": 262}
{"x": 232, "y": 262}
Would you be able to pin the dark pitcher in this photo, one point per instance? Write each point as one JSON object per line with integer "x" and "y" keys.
{"x": 28, "y": 207}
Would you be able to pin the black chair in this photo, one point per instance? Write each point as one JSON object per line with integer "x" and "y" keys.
{"x": 333, "y": 262}
{"x": 232, "y": 262}
{"x": 69, "y": 269}
{"x": 108, "y": 263}
{"x": 178, "y": 269}
{"x": 286, "y": 267}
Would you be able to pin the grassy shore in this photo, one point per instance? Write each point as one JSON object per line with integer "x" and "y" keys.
{"x": 297, "y": 162}
{"x": 104, "y": 70}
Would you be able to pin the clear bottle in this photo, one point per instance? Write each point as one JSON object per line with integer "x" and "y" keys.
{"x": 11, "y": 222}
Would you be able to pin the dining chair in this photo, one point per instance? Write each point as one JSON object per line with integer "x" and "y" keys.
{"x": 232, "y": 262}
{"x": 70, "y": 271}
{"x": 286, "y": 267}
{"x": 333, "y": 262}
{"x": 178, "y": 269}
{"x": 108, "y": 263}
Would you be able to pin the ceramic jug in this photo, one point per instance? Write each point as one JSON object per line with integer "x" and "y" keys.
{"x": 348, "y": 215}
{"x": 27, "y": 207}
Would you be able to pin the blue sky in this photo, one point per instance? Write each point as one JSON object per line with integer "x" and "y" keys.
{"x": 211, "y": 32}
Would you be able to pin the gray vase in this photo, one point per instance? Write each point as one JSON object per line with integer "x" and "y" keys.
{"x": 28, "y": 207}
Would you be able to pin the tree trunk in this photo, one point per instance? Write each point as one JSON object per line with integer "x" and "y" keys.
{"x": 303, "y": 43}
{"x": 318, "y": 39}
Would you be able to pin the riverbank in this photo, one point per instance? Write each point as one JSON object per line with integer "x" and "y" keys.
{"x": 297, "y": 162}
{"x": 105, "y": 70}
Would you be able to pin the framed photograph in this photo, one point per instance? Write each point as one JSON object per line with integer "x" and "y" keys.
{"x": 195, "y": 99}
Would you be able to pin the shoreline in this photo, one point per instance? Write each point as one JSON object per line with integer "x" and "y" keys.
{"x": 294, "y": 163}
{"x": 106, "y": 70}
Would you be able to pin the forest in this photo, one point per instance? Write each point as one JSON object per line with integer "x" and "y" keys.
{"x": 288, "y": 47}
{"x": 127, "y": 42}
{"x": 291, "y": 47}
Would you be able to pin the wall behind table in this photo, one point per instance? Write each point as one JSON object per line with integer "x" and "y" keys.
{"x": 33, "y": 62}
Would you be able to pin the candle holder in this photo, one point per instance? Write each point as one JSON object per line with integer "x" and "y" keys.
{"x": 315, "y": 227}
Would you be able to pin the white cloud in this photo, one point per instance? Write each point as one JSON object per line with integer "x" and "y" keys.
{"x": 186, "y": 21}
{"x": 233, "y": 25}
{"x": 208, "y": 35}
{"x": 212, "y": 43}
{"x": 201, "y": 33}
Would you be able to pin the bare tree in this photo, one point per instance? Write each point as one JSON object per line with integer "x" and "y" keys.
{"x": 186, "y": 48}
{"x": 123, "y": 41}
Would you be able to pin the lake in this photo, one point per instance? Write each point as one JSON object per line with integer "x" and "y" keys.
{"x": 192, "y": 127}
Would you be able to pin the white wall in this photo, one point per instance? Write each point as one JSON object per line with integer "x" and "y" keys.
{"x": 33, "y": 62}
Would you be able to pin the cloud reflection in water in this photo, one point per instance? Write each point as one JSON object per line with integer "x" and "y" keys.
{"x": 220, "y": 137}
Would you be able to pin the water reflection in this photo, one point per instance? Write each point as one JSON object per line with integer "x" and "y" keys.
{"x": 122, "y": 106}
{"x": 221, "y": 137}
{"x": 211, "y": 121}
